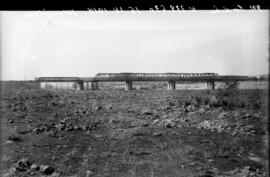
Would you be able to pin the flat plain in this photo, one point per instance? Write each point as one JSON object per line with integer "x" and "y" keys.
{"x": 138, "y": 133}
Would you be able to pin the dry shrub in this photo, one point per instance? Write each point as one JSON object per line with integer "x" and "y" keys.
{"x": 198, "y": 100}
{"x": 230, "y": 99}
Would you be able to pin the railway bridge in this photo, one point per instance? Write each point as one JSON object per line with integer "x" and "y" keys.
{"x": 171, "y": 78}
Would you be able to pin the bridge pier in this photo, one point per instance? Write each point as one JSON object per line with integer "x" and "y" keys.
{"x": 210, "y": 85}
{"x": 171, "y": 85}
{"x": 128, "y": 85}
{"x": 80, "y": 86}
{"x": 94, "y": 85}
{"x": 86, "y": 85}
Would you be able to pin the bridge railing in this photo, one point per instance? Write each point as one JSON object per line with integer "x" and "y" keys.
{"x": 153, "y": 76}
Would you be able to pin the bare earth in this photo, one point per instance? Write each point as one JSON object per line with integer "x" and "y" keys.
{"x": 140, "y": 133}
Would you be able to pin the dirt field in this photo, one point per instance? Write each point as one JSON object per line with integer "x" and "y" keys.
{"x": 140, "y": 133}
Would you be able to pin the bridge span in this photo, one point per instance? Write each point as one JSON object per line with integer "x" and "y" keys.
{"x": 129, "y": 78}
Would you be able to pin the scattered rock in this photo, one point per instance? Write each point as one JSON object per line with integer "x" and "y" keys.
{"x": 214, "y": 101}
{"x": 215, "y": 125}
{"x": 97, "y": 108}
{"x": 10, "y": 121}
{"x": 78, "y": 128}
{"x": 234, "y": 160}
{"x": 166, "y": 108}
{"x": 64, "y": 120}
{"x": 60, "y": 126}
{"x": 201, "y": 110}
{"x": 133, "y": 124}
{"x": 141, "y": 153}
{"x": 155, "y": 121}
{"x": 54, "y": 115}
{"x": 23, "y": 130}
{"x": 51, "y": 133}
{"x": 22, "y": 165}
{"x": 41, "y": 129}
{"x": 234, "y": 133}
{"x": 254, "y": 158}
{"x": 36, "y": 130}
{"x": 9, "y": 142}
{"x": 109, "y": 107}
{"x": 168, "y": 123}
{"x": 34, "y": 167}
{"x": 10, "y": 172}
{"x": 61, "y": 146}
{"x": 256, "y": 116}
{"x": 14, "y": 138}
{"x": 85, "y": 127}
{"x": 69, "y": 128}
{"x": 88, "y": 173}
{"x": 46, "y": 169}
{"x": 113, "y": 121}
{"x": 144, "y": 124}
{"x": 208, "y": 173}
{"x": 146, "y": 113}
{"x": 55, "y": 174}
{"x": 138, "y": 133}
{"x": 157, "y": 133}
{"x": 246, "y": 171}
{"x": 88, "y": 132}
{"x": 190, "y": 108}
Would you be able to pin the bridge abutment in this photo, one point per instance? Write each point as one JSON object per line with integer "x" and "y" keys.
{"x": 94, "y": 85}
{"x": 171, "y": 85}
{"x": 128, "y": 85}
{"x": 210, "y": 85}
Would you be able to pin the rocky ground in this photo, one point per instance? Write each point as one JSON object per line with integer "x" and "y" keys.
{"x": 136, "y": 133}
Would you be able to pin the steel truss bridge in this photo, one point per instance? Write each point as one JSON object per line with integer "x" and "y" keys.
{"x": 171, "y": 78}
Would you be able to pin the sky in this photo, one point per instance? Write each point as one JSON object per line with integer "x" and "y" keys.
{"x": 84, "y": 43}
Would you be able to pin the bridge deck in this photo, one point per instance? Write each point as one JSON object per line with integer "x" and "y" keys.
{"x": 122, "y": 77}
